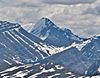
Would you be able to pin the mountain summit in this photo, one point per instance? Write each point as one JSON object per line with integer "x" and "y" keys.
{"x": 53, "y": 35}
{"x": 41, "y": 29}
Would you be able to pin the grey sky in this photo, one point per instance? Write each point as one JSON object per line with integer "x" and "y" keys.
{"x": 81, "y": 16}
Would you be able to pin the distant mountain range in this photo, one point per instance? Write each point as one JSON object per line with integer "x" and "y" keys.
{"x": 46, "y": 52}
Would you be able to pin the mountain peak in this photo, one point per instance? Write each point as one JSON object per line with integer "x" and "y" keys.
{"x": 46, "y": 30}
{"x": 43, "y": 26}
{"x": 4, "y": 23}
{"x": 4, "y": 26}
{"x": 46, "y": 18}
{"x": 45, "y": 22}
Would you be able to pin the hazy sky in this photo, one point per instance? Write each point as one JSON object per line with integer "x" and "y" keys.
{"x": 81, "y": 16}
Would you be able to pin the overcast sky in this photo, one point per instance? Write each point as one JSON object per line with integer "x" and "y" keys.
{"x": 81, "y": 16}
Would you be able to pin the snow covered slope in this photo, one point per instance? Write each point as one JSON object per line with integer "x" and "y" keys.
{"x": 17, "y": 46}
{"x": 49, "y": 70}
{"x": 67, "y": 64}
{"x": 53, "y": 35}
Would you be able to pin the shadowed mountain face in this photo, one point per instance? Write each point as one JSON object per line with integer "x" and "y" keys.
{"x": 74, "y": 60}
{"x": 17, "y": 46}
{"x": 92, "y": 49}
{"x": 53, "y": 35}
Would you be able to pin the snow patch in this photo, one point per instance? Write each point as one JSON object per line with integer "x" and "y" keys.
{"x": 84, "y": 43}
{"x": 43, "y": 71}
{"x": 7, "y": 62}
{"x": 99, "y": 69}
{"x": 54, "y": 75}
{"x": 44, "y": 37}
{"x": 28, "y": 27}
{"x": 59, "y": 67}
{"x": 20, "y": 74}
{"x": 10, "y": 69}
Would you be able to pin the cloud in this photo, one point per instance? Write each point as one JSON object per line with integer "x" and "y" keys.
{"x": 21, "y": 11}
{"x": 68, "y": 2}
{"x": 21, "y": 3}
{"x": 72, "y": 17}
{"x": 93, "y": 10}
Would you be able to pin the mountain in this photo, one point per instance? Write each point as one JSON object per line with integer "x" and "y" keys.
{"x": 53, "y": 35}
{"x": 79, "y": 60}
{"x": 17, "y": 46}
{"x": 67, "y": 64}
{"x": 48, "y": 52}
